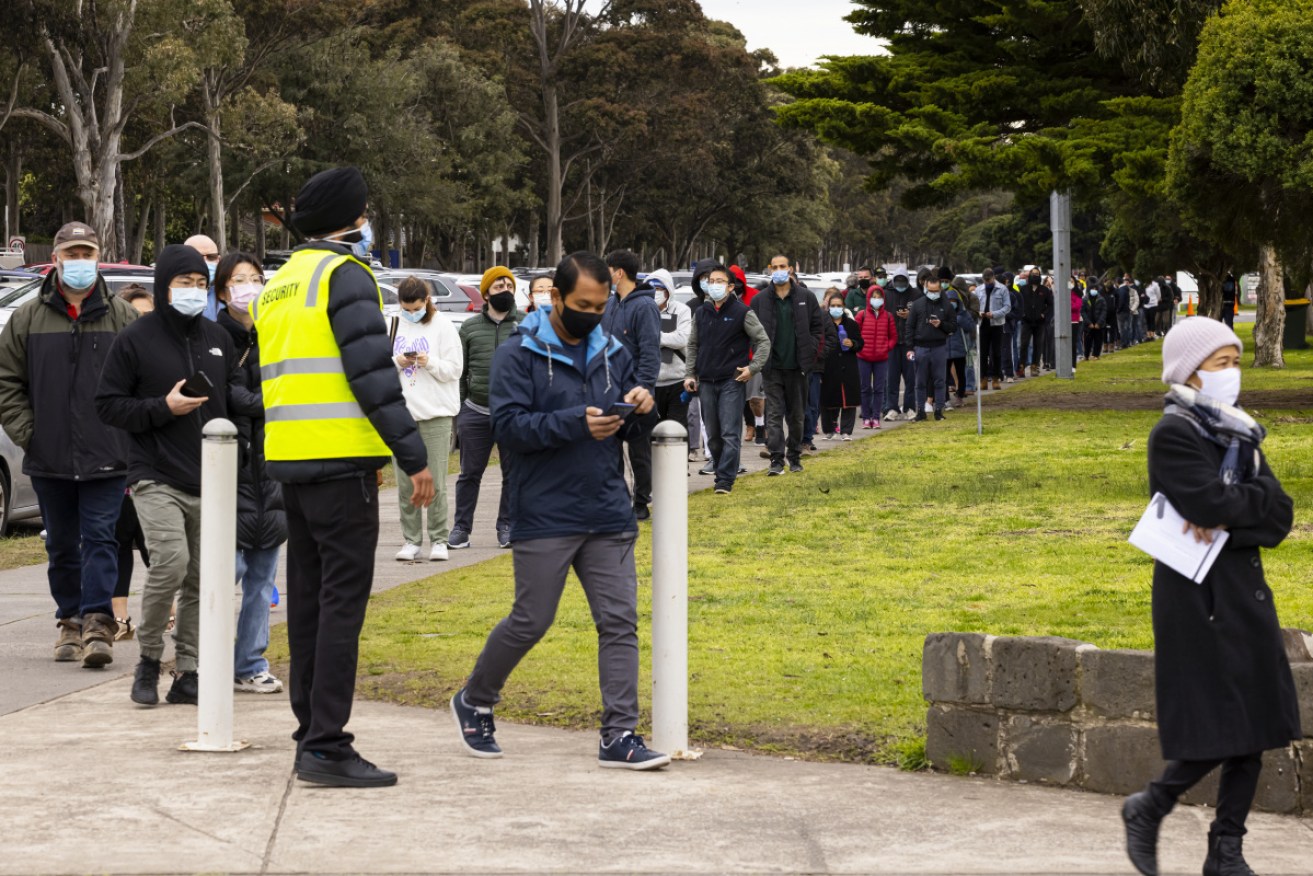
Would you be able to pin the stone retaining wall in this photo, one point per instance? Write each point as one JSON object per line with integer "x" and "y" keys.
{"x": 1061, "y": 712}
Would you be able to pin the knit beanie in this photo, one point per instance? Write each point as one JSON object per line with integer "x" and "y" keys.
{"x": 944, "y": 274}
{"x": 491, "y": 276}
{"x": 1190, "y": 342}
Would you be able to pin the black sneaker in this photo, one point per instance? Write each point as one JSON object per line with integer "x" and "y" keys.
{"x": 642, "y": 512}
{"x": 743, "y": 469}
{"x": 185, "y": 689}
{"x": 919, "y": 418}
{"x": 776, "y": 468}
{"x": 811, "y": 447}
{"x": 352, "y": 771}
{"x": 708, "y": 469}
{"x": 723, "y": 491}
{"x": 503, "y": 539}
{"x": 627, "y": 752}
{"x": 145, "y": 682}
{"x": 458, "y": 539}
{"x": 939, "y": 415}
{"x": 476, "y": 727}
{"x": 795, "y": 466}
{"x": 760, "y": 437}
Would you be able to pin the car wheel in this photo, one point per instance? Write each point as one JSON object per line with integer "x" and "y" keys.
{"x": 5, "y": 502}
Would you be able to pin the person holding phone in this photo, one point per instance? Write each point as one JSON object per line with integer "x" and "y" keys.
{"x": 930, "y": 323}
{"x": 899, "y": 296}
{"x": 427, "y": 353}
{"x": 1225, "y": 691}
{"x": 141, "y": 392}
{"x": 560, "y": 386}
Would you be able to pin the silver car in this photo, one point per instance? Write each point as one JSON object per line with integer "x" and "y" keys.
{"x": 17, "y": 498}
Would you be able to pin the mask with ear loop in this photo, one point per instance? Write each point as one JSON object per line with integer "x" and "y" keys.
{"x": 1223, "y": 385}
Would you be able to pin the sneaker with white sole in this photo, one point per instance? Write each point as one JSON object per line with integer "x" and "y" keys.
{"x": 892, "y": 416}
{"x": 438, "y": 553}
{"x": 261, "y": 683}
{"x": 409, "y": 553}
{"x": 459, "y": 539}
{"x": 627, "y": 752}
{"x": 476, "y": 727}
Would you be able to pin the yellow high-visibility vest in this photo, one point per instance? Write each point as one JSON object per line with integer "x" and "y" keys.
{"x": 309, "y": 409}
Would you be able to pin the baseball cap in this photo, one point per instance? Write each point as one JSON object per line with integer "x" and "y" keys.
{"x": 76, "y": 234}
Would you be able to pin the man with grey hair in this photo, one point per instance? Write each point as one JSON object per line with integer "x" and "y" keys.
{"x": 209, "y": 251}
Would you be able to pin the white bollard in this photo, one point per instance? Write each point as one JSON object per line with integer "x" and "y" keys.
{"x": 670, "y": 591}
{"x": 218, "y": 626}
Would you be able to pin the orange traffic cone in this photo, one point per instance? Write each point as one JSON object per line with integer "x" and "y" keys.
{"x": 1189, "y": 307}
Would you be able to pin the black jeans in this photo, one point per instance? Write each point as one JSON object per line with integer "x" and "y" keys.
{"x": 640, "y": 459}
{"x": 129, "y": 535}
{"x": 958, "y": 367}
{"x": 991, "y": 351}
{"x": 474, "y": 432}
{"x": 80, "y": 517}
{"x": 1032, "y": 346}
{"x": 786, "y": 399}
{"x": 332, "y": 533}
{"x": 901, "y": 371}
{"x": 841, "y": 420}
{"x": 1093, "y": 343}
{"x": 669, "y": 406}
{"x": 1235, "y": 792}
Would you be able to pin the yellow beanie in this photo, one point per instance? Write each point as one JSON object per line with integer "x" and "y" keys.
{"x": 491, "y": 276}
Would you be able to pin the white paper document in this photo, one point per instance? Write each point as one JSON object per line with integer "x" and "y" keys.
{"x": 1159, "y": 535}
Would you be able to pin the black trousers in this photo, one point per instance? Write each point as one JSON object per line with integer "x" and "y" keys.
{"x": 640, "y": 459}
{"x": 1032, "y": 346}
{"x": 1235, "y": 792}
{"x": 786, "y": 399}
{"x": 475, "y": 433}
{"x": 130, "y": 538}
{"x": 1093, "y": 343}
{"x": 991, "y": 350}
{"x": 669, "y": 407}
{"x": 332, "y": 533}
{"x": 957, "y": 375}
{"x": 841, "y": 420}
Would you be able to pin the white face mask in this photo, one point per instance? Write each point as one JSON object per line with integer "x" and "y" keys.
{"x": 1224, "y": 385}
{"x": 542, "y": 299}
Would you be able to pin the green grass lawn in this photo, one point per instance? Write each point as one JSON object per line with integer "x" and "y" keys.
{"x": 22, "y": 547}
{"x": 811, "y": 594}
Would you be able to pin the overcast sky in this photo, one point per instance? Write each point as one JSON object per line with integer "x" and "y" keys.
{"x": 797, "y": 31}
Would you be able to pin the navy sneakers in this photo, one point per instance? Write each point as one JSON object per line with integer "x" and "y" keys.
{"x": 458, "y": 539}
{"x": 627, "y": 752}
{"x": 476, "y": 727}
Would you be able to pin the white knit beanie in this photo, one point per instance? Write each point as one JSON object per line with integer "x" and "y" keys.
{"x": 1190, "y": 342}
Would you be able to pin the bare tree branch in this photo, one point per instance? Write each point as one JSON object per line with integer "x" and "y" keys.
{"x": 13, "y": 95}
{"x": 46, "y": 120}
{"x": 159, "y": 138}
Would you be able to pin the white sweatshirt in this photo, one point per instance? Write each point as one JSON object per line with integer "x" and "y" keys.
{"x": 434, "y": 390}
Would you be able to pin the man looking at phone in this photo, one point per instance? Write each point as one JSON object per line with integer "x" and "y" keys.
{"x": 165, "y": 377}
{"x": 563, "y": 393}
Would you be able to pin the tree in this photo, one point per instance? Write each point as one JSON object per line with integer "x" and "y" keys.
{"x": 1155, "y": 41}
{"x": 103, "y": 70}
{"x": 1239, "y": 162}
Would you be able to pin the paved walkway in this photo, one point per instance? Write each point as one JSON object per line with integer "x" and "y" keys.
{"x": 92, "y": 784}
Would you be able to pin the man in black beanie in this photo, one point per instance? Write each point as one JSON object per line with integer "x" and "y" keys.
{"x": 141, "y": 392}
{"x": 334, "y": 415}
{"x": 929, "y": 323}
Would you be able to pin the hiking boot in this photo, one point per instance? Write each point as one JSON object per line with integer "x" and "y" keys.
{"x": 477, "y": 729}
{"x": 1225, "y": 857}
{"x": 1142, "y": 818}
{"x": 627, "y": 752}
{"x": 352, "y": 771}
{"x": 68, "y": 647}
{"x": 98, "y": 632}
{"x": 146, "y": 681}
{"x": 185, "y": 690}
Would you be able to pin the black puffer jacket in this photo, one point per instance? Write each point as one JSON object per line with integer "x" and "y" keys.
{"x": 261, "y": 521}
{"x": 49, "y": 367}
{"x": 362, "y": 337}
{"x": 148, "y": 358}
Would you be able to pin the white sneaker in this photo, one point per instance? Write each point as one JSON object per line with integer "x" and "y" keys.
{"x": 891, "y": 416}
{"x": 264, "y": 683}
{"x": 948, "y": 406}
{"x": 847, "y": 437}
{"x": 439, "y": 552}
{"x": 827, "y": 437}
{"x": 409, "y": 553}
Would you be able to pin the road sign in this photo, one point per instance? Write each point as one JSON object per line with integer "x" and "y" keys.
{"x": 18, "y": 242}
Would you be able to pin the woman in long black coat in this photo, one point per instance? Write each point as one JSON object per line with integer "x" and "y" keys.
{"x": 1224, "y": 687}
{"x": 841, "y": 386}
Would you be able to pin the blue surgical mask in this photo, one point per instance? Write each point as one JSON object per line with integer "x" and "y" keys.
{"x": 78, "y": 273}
{"x": 213, "y": 266}
{"x": 877, "y": 303}
{"x": 188, "y": 302}
{"x": 933, "y": 296}
{"x": 779, "y": 278}
{"x": 412, "y": 316}
{"x": 836, "y": 312}
{"x": 366, "y": 243}
{"x": 1020, "y": 283}
{"x": 1094, "y": 292}
{"x": 716, "y": 291}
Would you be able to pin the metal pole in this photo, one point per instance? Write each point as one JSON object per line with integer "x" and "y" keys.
{"x": 670, "y": 590}
{"x": 1060, "y": 222}
{"x": 980, "y": 387}
{"x": 214, "y": 713}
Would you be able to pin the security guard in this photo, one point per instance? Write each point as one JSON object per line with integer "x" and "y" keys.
{"x": 334, "y": 414}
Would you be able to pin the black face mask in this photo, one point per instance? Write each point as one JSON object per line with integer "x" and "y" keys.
{"x": 578, "y": 323}
{"x": 502, "y": 302}
{"x": 865, "y": 283}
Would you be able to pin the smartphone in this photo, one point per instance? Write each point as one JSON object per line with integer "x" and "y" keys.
{"x": 412, "y": 355}
{"x": 620, "y": 409}
{"x": 197, "y": 386}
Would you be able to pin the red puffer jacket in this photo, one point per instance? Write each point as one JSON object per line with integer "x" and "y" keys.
{"x": 879, "y": 335}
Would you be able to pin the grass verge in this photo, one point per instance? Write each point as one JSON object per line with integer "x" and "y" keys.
{"x": 811, "y": 594}
{"x": 21, "y": 547}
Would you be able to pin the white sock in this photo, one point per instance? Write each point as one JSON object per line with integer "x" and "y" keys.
{"x": 761, "y": 421}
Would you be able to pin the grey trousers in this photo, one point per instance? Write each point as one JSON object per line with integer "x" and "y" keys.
{"x": 605, "y": 566}
{"x": 436, "y": 434}
{"x": 171, "y": 522}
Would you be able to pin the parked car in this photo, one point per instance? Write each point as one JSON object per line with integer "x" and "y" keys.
{"x": 14, "y": 279}
{"x": 448, "y": 295}
{"x": 116, "y": 278}
{"x": 17, "y": 498}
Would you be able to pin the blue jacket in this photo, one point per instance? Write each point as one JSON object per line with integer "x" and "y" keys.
{"x": 561, "y": 480}
{"x": 635, "y": 321}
